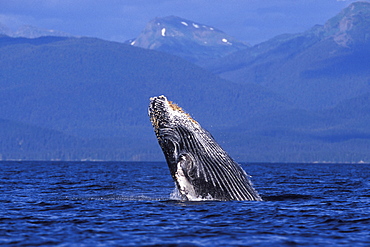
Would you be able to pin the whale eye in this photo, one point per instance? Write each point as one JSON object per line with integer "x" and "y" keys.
{"x": 188, "y": 166}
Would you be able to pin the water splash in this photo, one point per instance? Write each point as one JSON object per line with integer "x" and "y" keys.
{"x": 175, "y": 195}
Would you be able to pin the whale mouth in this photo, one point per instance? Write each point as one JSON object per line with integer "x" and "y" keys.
{"x": 162, "y": 116}
{"x": 164, "y": 113}
{"x": 157, "y": 102}
{"x": 159, "y": 113}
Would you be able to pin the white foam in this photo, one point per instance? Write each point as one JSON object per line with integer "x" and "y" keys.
{"x": 133, "y": 42}
{"x": 175, "y": 195}
{"x": 184, "y": 23}
{"x": 163, "y": 32}
{"x": 195, "y": 25}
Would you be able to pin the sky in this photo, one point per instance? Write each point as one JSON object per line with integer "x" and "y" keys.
{"x": 252, "y": 21}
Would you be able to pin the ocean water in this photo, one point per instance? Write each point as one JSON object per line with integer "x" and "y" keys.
{"x": 130, "y": 204}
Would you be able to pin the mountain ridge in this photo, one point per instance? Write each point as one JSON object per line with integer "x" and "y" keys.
{"x": 98, "y": 90}
{"x": 190, "y": 40}
{"x": 31, "y": 32}
{"x": 315, "y": 64}
{"x": 295, "y": 98}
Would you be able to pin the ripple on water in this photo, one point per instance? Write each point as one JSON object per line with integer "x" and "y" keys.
{"x": 118, "y": 204}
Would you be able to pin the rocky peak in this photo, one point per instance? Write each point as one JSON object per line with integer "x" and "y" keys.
{"x": 188, "y": 39}
{"x": 351, "y": 25}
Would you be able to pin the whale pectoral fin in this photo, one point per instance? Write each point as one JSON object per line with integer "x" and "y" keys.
{"x": 188, "y": 166}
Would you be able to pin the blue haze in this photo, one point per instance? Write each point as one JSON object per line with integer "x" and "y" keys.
{"x": 250, "y": 21}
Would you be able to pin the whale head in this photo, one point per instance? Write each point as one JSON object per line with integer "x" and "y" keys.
{"x": 201, "y": 169}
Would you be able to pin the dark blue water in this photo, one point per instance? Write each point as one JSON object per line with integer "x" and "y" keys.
{"x": 129, "y": 204}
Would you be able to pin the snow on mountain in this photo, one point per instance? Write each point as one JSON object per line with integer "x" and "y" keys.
{"x": 188, "y": 39}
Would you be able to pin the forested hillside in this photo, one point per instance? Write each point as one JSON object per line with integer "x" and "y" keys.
{"x": 294, "y": 98}
{"x": 99, "y": 91}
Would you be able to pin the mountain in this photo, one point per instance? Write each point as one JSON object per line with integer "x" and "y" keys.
{"x": 314, "y": 70}
{"x": 31, "y": 32}
{"x": 4, "y": 30}
{"x": 98, "y": 92}
{"x": 28, "y": 31}
{"x": 23, "y": 141}
{"x": 339, "y": 134}
{"x": 295, "y": 98}
{"x": 187, "y": 39}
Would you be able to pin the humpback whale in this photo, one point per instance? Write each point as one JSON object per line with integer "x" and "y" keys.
{"x": 200, "y": 168}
